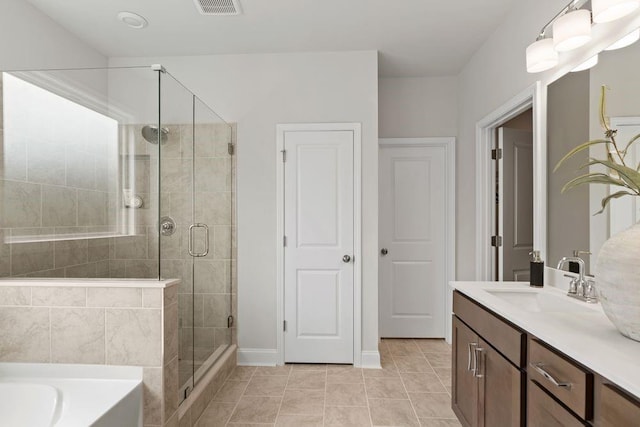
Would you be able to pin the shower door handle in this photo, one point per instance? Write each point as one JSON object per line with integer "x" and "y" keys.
{"x": 206, "y": 240}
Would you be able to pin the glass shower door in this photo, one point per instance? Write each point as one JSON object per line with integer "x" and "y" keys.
{"x": 211, "y": 237}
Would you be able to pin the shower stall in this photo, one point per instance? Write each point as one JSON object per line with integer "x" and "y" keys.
{"x": 122, "y": 173}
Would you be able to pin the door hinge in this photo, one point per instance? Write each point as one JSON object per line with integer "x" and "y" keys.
{"x": 284, "y": 241}
{"x": 284, "y": 326}
{"x": 229, "y": 321}
{"x": 231, "y": 148}
{"x": 496, "y": 154}
{"x": 284, "y": 155}
{"x": 496, "y": 241}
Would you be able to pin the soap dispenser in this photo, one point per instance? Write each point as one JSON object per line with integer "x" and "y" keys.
{"x": 536, "y": 273}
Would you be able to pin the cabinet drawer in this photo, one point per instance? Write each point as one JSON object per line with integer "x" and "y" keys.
{"x": 543, "y": 411}
{"x": 575, "y": 385}
{"x": 617, "y": 409}
{"x": 505, "y": 338}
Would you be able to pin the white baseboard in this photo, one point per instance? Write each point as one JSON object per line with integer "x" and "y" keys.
{"x": 370, "y": 360}
{"x": 257, "y": 357}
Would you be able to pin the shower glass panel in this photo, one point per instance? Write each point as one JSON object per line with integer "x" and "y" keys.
{"x": 195, "y": 177}
{"x": 122, "y": 173}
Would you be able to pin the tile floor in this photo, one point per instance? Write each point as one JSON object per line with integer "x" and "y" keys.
{"x": 411, "y": 389}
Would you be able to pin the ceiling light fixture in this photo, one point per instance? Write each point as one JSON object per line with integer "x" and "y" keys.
{"x": 591, "y": 62}
{"x": 572, "y": 30}
{"x": 132, "y": 20}
{"x": 610, "y": 10}
{"x": 627, "y": 40}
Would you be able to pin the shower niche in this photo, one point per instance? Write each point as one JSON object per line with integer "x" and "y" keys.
{"x": 122, "y": 173}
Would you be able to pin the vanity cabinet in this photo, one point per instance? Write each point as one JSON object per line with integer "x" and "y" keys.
{"x": 487, "y": 382}
{"x": 504, "y": 377}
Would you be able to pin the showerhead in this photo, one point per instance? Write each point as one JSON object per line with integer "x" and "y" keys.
{"x": 150, "y": 134}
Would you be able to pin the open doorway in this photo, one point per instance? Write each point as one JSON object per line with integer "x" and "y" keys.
{"x": 512, "y": 156}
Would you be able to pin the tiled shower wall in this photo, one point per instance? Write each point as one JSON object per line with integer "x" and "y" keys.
{"x": 56, "y": 179}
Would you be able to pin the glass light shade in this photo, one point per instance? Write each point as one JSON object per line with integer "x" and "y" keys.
{"x": 627, "y": 40}
{"x": 541, "y": 56}
{"x": 572, "y": 30}
{"x": 591, "y": 62}
{"x": 610, "y": 10}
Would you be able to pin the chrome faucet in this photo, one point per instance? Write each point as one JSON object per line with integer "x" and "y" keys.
{"x": 579, "y": 287}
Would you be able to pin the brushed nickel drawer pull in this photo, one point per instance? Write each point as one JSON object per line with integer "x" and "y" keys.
{"x": 471, "y": 362}
{"x": 478, "y": 371}
{"x": 539, "y": 367}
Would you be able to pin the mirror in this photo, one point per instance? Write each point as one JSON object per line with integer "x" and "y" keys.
{"x": 572, "y": 118}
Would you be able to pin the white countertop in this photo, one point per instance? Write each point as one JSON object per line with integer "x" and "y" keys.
{"x": 88, "y": 283}
{"x": 587, "y": 337}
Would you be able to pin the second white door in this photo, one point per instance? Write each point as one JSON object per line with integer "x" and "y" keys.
{"x": 412, "y": 265}
{"x": 319, "y": 230}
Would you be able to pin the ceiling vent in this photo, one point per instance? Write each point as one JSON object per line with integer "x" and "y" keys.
{"x": 218, "y": 7}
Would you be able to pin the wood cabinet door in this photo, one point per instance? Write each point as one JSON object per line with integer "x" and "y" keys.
{"x": 544, "y": 411}
{"x": 500, "y": 389}
{"x": 464, "y": 395}
{"x": 616, "y": 409}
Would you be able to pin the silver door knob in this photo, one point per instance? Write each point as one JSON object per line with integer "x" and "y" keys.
{"x": 384, "y": 251}
{"x": 346, "y": 258}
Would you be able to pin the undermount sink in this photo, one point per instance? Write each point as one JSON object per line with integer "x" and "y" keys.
{"x": 537, "y": 301}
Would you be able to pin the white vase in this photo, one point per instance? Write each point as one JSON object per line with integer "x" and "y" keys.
{"x": 618, "y": 281}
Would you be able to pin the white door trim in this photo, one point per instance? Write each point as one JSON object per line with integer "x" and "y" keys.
{"x": 535, "y": 97}
{"x": 356, "y": 128}
{"x": 449, "y": 144}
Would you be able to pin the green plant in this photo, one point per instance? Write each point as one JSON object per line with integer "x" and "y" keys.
{"x": 618, "y": 173}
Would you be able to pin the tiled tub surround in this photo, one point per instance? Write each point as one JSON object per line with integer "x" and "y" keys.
{"x": 105, "y": 322}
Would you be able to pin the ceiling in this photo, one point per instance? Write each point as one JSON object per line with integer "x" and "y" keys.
{"x": 414, "y": 37}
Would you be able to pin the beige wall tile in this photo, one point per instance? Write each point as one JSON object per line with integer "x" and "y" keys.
{"x": 82, "y": 271}
{"x": 29, "y": 257}
{"x": 141, "y": 269}
{"x": 59, "y": 206}
{"x": 70, "y": 253}
{"x": 5, "y": 249}
{"x": 171, "y": 294}
{"x": 152, "y": 395}
{"x": 16, "y": 323}
{"x": 77, "y": 335}
{"x": 98, "y": 250}
{"x": 216, "y": 310}
{"x": 59, "y": 296}
{"x": 170, "y": 388}
{"x": 15, "y": 295}
{"x": 152, "y": 298}
{"x": 211, "y": 277}
{"x": 133, "y": 337}
{"x": 170, "y": 332}
{"x": 92, "y": 207}
{"x": 114, "y": 297}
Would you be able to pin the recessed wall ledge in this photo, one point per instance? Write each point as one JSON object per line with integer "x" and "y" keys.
{"x": 602, "y": 36}
{"x": 89, "y": 283}
{"x": 64, "y": 237}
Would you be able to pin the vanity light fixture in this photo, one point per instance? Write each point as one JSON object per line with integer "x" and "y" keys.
{"x": 541, "y": 56}
{"x": 610, "y": 10}
{"x": 591, "y": 62}
{"x": 572, "y": 30}
{"x": 627, "y": 40}
{"x": 132, "y": 20}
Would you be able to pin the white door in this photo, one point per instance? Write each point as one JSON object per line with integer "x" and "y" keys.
{"x": 515, "y": 211}
{"x": 319, "y": 230}
{"x": 412, "y": 265}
